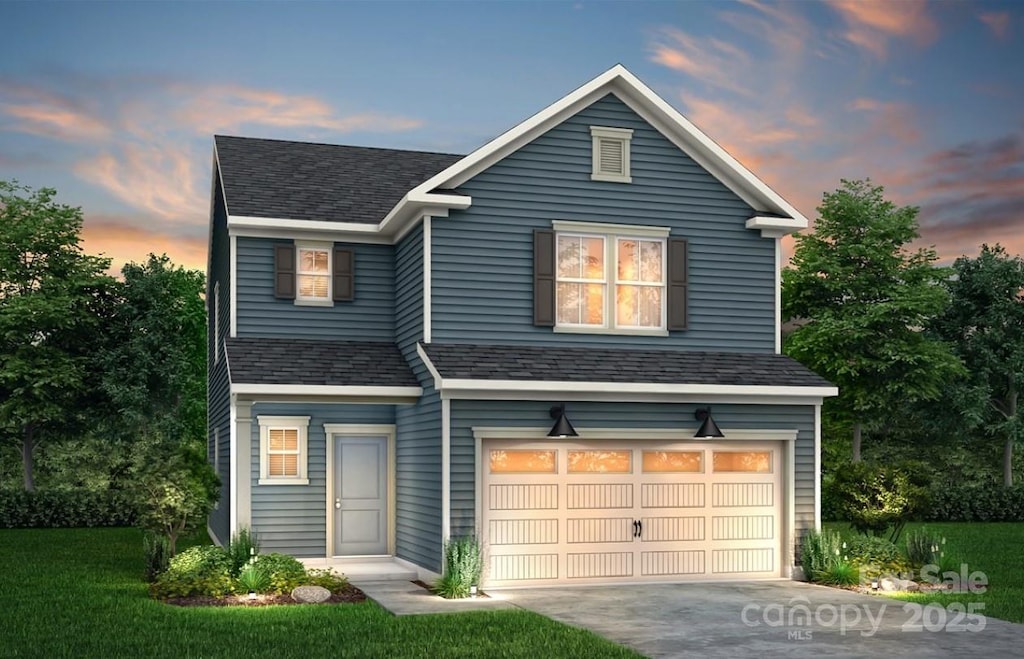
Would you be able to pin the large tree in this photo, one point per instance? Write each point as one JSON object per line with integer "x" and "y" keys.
{"x": 861, "y": 298}
{"x": 985, "y": 325}
{"x": 53, "y": 301}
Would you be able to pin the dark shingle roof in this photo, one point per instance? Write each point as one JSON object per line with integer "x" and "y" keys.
{"x": 258, "y": 360}
{"x": 305, "y": 181}
{"x": 507, "y": 362}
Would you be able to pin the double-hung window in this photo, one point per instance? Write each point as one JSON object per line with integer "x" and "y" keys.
{"x": 313, "y": 273}
{"x": 283, "y": 450}
{"x": 610, "y": 278}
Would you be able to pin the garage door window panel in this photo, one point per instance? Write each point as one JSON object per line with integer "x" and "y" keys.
{"x": 600, "y": 462}
{"x": 686, "y": 462}
{"x": 511, "y": 461}
{"x": 759, "y": 462}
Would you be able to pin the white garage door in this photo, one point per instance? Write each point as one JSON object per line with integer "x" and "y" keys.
{"x": 607, "y": 511}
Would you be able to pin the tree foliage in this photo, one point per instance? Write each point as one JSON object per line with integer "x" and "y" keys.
{"x": 861, "y": 298}
{"x": 54, "y": 300}
{"x": 985, "y": 326}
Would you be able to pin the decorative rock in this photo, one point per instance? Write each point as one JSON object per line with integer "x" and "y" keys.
{"x": 907, "y": 585}
{"x": 888, "y": 584}
{"x": 311, "y": 594}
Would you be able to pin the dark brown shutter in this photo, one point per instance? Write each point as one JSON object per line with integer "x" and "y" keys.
{"x": 544, "y": 277}
{"x": 344, "y": 275}
{"x": 284, "y": 272}
{"x": 677, "y": 283}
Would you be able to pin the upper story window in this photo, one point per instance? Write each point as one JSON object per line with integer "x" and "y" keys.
{"x": 610, "y": 278}
{"x": 313, "y": 275}
{"x": 318, "y": 274}
{"x": 611, "y": 154}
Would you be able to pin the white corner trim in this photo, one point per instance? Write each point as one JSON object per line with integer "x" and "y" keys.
{"x": 233, "y": 284}
{"x": 654, "y": 434}
{"x": 233, "y": 492}
{"x": 790, "y": 525}
{"x": 438, "y": 380}
{"x": 446, "y": 471}
{"x": 427, "y": 249}
{"x": 607, "y": 228}
{"x": 325, "y": 390}
{"x": 776, "y": 227}
{"x": 778, "y": 296}
{"x": 817, "y": 467}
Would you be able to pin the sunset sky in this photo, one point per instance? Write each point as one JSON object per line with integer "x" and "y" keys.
{"x": 115, "y": 104}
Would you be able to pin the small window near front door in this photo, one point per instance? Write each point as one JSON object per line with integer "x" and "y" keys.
{"x": 759, "y": 462}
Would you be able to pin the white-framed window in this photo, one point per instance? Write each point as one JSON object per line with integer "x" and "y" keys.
{"x": 610, "y": 278}
{"x": 283, "y": 450}
{"x": 611, "y": 148}
{"x": 313, "y": 273}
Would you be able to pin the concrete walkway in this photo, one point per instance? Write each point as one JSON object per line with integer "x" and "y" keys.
{"x": 754, "y": 620}
{"x": 404, "y": 598}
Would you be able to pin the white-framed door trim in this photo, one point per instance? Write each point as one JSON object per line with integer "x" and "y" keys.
{"x": 331, "y": 430}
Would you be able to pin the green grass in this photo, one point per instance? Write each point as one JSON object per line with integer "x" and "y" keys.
{"x": 995, "y": 548}
{"x": 79, "y": 593}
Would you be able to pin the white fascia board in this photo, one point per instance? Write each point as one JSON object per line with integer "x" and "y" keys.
{"x": 612, "y": 397}
{"x": 313, "y": 235}
{"x": 415, "y": 204}
{"x": 248, "y": 222}
{"x": 451, "y": 387}
{"x": 776, "y": 227}
{"x": 651, "y": 107}
{"x": 656, "y": 434}
{"x": 243, "y": 389}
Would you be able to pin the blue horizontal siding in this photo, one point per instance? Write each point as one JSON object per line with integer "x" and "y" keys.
{"x": 369, "y": 317}
{"x": 482, "y": 258}
{"x": 292, "y": 519}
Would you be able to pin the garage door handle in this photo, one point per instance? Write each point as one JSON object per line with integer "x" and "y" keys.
{"x": 639, "y": 528}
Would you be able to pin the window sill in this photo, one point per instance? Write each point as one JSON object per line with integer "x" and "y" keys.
{"x": 613, "y": 178}
{"x": 283, "y": 481}
{"x": 314, "y": 303}
{"x": 611, "y": 331}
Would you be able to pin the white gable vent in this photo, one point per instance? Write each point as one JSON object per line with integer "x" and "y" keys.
{"x": 611, "y": 154}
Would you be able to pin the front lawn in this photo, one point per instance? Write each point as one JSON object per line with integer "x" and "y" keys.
{"x": 995, "y": 548}
{"x": 79, "y": 593}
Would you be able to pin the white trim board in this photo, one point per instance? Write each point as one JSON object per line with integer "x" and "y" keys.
{"x": 638, "y": 434}
{"x": 426, "y": 250}
{"x": 243, "y": 389}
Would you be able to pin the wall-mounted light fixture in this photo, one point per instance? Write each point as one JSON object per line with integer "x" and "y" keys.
{"x": 708, "y": 428}
{"x": 562, "y": 427}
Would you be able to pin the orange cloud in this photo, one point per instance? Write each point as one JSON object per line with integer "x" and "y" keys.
{"x": 158, "y": 178}
{"x": 39, "y": 112}
{"x": 708, "y": 60}
{"x": 871, "y": 23}
{"x": 997, "y": 21}
{"x": 895, "y": 121}
{"x": 123, "y": 240}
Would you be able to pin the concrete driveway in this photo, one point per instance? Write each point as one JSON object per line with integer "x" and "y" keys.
{"x": 768, "y": 619}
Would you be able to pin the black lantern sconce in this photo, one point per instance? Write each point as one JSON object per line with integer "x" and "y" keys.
{"x": 562, "y": 427}
{"x": 708, "y": 428}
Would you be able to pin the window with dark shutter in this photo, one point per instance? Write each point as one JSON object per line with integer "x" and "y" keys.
{"x": 344, "y": 275}
{"x": 544, "y": 278}
{"x": 678, "y": 282}
{"x": 284, "y": 271}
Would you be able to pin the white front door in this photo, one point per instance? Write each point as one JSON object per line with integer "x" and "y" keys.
{"x": 360, "y": 495}
{"x": 607, "y": 511}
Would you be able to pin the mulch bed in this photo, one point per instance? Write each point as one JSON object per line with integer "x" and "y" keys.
{"x": 350, "y": 595}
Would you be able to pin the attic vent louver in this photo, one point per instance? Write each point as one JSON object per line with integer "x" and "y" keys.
{"x": 611, "y": 154}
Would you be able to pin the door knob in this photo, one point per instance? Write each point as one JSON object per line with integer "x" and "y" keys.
{"x": 337, "y": 503}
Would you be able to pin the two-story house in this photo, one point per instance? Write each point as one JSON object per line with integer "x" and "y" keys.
{"x": 566, "y": 342}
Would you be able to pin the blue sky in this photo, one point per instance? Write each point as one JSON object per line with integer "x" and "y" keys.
{"x": 115, "y": 104}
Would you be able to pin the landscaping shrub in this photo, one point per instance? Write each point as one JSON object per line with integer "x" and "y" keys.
{"x": 923, "y": 547}
{"x": 65, "y": 508}
{"x": 243, "y": 546}
{"x": 253, "y": 578}
{"x": 819, "y": 552}
{"x": 463, "y": 565}
{"x": 876, "y": 556}
{"x": 876, "y": 499}
{"x": 989, "y": 502}
{"x": 326, "y": 578}
{"x": 158, "y": 555}
{"x": 203, "y": 570}
{"x": 285, "y": 572}
{"x": 840, "y": 573}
